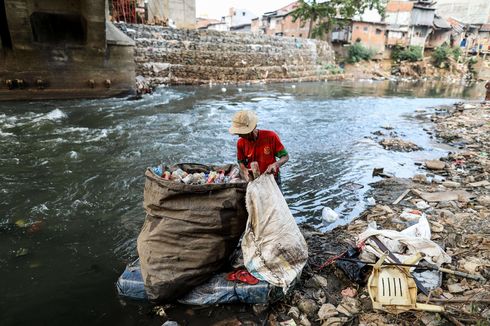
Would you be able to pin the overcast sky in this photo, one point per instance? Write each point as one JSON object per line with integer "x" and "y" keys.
{"x": 218, "y": 8}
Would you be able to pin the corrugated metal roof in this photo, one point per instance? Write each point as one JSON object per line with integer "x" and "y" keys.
{"x": 485, "y": 28}
{"x": 441, "y": 23}
{"x": 422, "y": 17}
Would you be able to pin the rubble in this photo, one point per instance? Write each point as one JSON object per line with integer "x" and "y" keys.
{"x": 399, "y": 145}
{"x": 454, "y": 195}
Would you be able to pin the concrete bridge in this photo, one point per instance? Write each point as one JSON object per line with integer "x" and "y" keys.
{"x": 62, "y": 49}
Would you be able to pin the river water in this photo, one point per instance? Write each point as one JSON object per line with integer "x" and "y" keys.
{"x": 71, "y": 177}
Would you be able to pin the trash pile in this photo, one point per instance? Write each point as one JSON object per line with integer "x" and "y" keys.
{"x": 208, "y": 239}
{"x": 427, "y": 238}
{"x": 218, "y": 176}
{"x": 396, "y": 144}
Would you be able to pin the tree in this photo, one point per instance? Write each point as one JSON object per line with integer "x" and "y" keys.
{"x": 323, "y": 16}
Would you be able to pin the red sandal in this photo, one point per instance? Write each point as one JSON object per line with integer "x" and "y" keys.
{"x": 243, "y": 276}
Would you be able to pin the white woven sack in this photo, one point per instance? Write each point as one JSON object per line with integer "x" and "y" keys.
{"x": 274, "y": 249}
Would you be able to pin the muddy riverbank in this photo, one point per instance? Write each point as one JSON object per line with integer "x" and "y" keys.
{"x": 459, "y": 224}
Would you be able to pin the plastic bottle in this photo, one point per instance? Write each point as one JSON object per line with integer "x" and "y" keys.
{"x": 157, "y": 170}
{"x": 235, "y": 172}
{"x": 212, "y": 176}
{"x": 220, "y": 178}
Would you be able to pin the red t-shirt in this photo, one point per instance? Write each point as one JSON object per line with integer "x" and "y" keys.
{"x": 263, "y": 150}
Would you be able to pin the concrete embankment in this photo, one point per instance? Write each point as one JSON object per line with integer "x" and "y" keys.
{"x": 174, "y": 56}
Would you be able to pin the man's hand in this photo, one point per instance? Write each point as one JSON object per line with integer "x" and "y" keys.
{"x": 273, "y": 168}
{"x": 244, "y": 174}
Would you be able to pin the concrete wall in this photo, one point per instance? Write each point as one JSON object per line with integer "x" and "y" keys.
{"x": 169, "y": 56}
{"x": 52, "y": 63}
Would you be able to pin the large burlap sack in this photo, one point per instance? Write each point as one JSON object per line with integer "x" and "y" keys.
{"x": 274, "y": 249}
{"x": 189, "y": 232}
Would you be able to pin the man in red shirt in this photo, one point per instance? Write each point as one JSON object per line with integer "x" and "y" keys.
{"x": 254, "y": 145}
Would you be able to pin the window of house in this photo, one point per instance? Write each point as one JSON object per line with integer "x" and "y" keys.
{"x": 300, "y": 35}
{"x": 378, "y": 31}
{"x": 243, "y": 13}
{"x": 365, "y": 29}
{"x": 58, "y": 28}
{"x": 357, "y": 27}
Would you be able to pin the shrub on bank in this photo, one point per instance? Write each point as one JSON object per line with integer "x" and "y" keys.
{"x": 411, "y": 53}
{"x": 333, "y": 69}
{"x": 442, "y": 54}
{"x": 357, "y": 52}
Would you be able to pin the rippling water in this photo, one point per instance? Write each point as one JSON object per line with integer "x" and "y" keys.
{"x": 71, "y": 176}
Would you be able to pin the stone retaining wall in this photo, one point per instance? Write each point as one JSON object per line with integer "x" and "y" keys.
{"x": 174, "y": 56}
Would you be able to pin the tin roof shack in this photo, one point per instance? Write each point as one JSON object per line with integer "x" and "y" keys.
{"x": 62, "y": 49}
{"x": 398, "y": 19}
{"x": 422, "y": 19}
{"x": 441, "y": 33}
{"x": 280, "y": 23}
{"x": 457, "y": 32}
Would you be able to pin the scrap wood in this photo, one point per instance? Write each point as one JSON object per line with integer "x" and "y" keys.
{"x": 400, "y": 198}
{"x": 452, "y": 319}
{"x": 453, "y": 195}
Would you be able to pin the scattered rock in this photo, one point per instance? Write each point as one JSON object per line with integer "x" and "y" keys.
{"x": 484, "y": 200}
{"x": 451, "y": 184}
{"x": 435, "y": 165}
{"x": 326, "y": 311}
{"x": 455, "y": 288}
{"x": 308, "y": 307}
{"x": 484, "y": 183}
{"x": 420, "y": 178}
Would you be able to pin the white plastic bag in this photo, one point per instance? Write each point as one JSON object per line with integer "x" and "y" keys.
{"x": 274, "y": 249}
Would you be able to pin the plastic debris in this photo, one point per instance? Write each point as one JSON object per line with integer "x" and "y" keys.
{"x": 329, "y": 215}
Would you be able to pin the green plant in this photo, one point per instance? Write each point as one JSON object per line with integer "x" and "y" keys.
{"x": 358, "y": 52}
{"x": 457, "y": 53}
{"x": 322, "y": 16}
{"x": 411, "y": 53}
{"x": 333, "y": 69}
{"x": 441, "y": 55}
